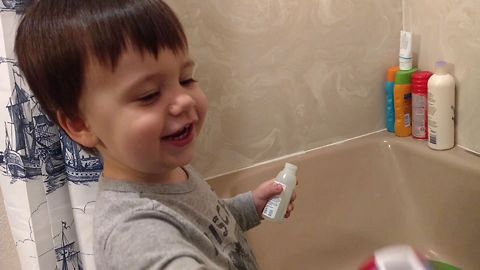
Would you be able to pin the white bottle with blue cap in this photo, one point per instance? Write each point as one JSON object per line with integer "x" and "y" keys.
{"x": 441, "y": 108}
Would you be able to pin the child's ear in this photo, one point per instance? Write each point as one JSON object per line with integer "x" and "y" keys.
{"x": 77, "y": 130}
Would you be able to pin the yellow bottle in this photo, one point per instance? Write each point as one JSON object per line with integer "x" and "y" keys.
{"x": 402, "y": 96}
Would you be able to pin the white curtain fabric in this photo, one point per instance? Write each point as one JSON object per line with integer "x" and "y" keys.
{"x": 49, "y": 184}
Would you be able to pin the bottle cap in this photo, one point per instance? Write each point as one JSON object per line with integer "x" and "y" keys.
{"x": 404, "y": 76}
{"x": 290, "y": 167}
{"x": 420, "y": 76}
{"x": 405, "y": 63}
{"x": 420, "y": 81}
{"x": 391, "y": 73}
{"x": 441, "y": 67}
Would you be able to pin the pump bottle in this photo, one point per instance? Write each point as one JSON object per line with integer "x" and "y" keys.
{"x": 277, "y": 206}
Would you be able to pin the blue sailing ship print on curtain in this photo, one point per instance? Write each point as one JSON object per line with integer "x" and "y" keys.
{"x": 32, "y": 142}
{"x": 40, "y": 164}
{"x": 67, "y": 256}
{"x": 34, "y": 152}
{"x": 15, "y": 5}
{"x": 81, "y": 167}
{"x": 7, "y": 5}
{"x": 22, "y": 160}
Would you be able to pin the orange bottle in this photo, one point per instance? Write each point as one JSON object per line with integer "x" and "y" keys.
{"x": 402, "y": 93}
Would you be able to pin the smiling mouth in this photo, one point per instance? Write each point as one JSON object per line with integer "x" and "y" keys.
{"x": 180, "y": 135}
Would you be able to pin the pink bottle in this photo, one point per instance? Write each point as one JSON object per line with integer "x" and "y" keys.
{"x": 419, "y": 104}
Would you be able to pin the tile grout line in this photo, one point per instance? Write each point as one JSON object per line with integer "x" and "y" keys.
{"x": 293, "y": 155}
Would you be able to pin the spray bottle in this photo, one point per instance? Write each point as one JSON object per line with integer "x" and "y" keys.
{"x": 277, "y": 206}
{"x": 419, "y": 104}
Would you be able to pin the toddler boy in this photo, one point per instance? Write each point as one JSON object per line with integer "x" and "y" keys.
{"x": 117, "y": 76}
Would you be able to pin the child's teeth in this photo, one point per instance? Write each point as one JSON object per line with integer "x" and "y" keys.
{"x": 182, "y": 135}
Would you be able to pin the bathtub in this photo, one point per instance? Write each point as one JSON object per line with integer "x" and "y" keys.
{"x": 363, "y": 194}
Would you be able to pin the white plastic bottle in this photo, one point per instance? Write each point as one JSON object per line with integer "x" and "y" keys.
{"x": 441, "y": 108}
{"x": 277, "y": 206}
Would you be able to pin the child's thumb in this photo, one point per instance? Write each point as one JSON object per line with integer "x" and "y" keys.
{"x": 272, "y": 189}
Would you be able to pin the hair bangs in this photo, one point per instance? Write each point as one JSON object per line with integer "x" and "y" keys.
{"x": 148, "y": 28}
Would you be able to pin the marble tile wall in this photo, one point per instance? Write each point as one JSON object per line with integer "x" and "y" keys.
{"x": 284, "y": 76}
{"x": 450, "y": 30}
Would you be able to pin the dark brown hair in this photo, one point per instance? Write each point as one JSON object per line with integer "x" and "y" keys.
{"x": 56, "y": 38}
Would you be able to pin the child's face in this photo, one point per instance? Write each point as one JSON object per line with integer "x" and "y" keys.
{"x": 146, "y": 114}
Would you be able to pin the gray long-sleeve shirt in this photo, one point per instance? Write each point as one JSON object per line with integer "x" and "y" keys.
{"x": 182, "y": 226}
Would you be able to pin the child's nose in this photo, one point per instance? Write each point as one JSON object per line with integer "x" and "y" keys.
{"x": 182, "y": 103}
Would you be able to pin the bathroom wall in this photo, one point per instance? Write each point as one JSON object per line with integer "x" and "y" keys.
{"x": 450, "y": 30}
{"x": 286, "y": 76}
{"x": 8, "y": 253}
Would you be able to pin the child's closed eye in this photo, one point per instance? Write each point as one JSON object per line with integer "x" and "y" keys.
{"x": 149, "y": 99}
{"x": 188, "y": 82}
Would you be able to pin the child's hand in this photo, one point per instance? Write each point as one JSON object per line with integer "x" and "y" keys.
{"x": 265, "y": 192}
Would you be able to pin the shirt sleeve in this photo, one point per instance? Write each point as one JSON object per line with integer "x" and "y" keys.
{"x": 145, "y": 241}
{"x": 243, "y": 209}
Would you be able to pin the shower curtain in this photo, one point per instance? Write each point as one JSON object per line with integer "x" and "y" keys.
{"x": 48, "y": 182}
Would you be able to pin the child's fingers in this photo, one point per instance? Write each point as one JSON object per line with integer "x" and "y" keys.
{"x": 294, "y": 196}
{"x": 291, "y": 205}
{"x": 289, "y": 211}
{"x": 290, "y": 208}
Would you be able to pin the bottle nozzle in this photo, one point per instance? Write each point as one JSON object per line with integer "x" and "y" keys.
{"x": 291, "y": 167}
